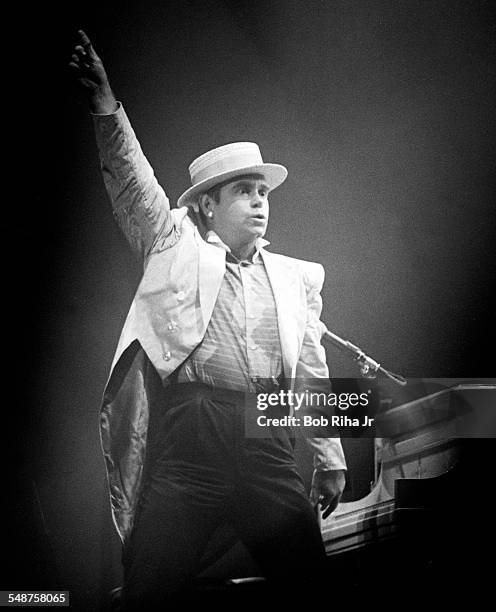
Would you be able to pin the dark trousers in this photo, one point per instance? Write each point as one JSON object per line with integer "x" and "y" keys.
{"x": 204, "y": 472}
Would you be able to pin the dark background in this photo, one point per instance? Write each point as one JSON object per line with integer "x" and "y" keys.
{"x": 383, "y": 113}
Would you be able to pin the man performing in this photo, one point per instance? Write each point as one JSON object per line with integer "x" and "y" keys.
{"x": 215, "y": 315}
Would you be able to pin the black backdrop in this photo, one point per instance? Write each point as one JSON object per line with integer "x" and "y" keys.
{"x": 383, "y": 113}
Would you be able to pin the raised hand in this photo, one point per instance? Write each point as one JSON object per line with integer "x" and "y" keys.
{"x": 91, "y": 77}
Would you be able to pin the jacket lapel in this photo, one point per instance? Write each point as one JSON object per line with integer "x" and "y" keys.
{"x": 284, "y": 280}
{"x": 212, "y": 267}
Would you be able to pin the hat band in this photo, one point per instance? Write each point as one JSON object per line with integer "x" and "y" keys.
{"x": 232, "y": 163}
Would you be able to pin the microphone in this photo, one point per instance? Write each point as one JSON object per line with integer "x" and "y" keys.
{"x": 368, "y": 366}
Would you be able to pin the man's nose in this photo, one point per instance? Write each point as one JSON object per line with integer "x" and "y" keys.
{"x": 257, "y": 200}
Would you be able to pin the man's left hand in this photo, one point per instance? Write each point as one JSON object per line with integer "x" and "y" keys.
{"x": 327, "y": 488}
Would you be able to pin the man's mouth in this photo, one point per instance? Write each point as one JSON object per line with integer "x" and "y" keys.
{"x": 259, "y": 216}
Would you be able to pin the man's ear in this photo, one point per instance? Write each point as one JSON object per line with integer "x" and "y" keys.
{"x": 205, "y": 203}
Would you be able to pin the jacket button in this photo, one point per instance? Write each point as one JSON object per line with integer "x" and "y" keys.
{"x": 180, "y": 296}
{"x": 166, "y": 356}
{"x": 172, "y": 326}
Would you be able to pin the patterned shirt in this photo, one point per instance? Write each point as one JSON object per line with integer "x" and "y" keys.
{"x": 241, "y": 343}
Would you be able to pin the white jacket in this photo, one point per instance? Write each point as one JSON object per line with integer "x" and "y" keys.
{"x": 182, "y": 277}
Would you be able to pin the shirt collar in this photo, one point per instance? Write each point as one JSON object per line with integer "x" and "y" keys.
{"x": 212, "y": 238}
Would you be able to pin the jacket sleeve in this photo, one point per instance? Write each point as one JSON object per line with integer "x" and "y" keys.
{"x": 328, "y": 452}
{"x": 139, "y": 204}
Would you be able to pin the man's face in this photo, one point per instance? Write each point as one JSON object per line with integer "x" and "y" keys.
{"x": 242, "y": 212}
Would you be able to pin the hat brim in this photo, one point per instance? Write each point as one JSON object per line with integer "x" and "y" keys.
{"x": 274, "y": 174}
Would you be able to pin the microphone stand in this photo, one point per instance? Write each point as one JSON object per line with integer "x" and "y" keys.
{"x": 368, "y": 366}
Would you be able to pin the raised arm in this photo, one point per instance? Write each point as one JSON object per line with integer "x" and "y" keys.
{"x": 140, "y": 205}
{"x": 91, "y": 77}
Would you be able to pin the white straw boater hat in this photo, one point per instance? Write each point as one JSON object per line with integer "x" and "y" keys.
{"x": 229, "y": 161}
